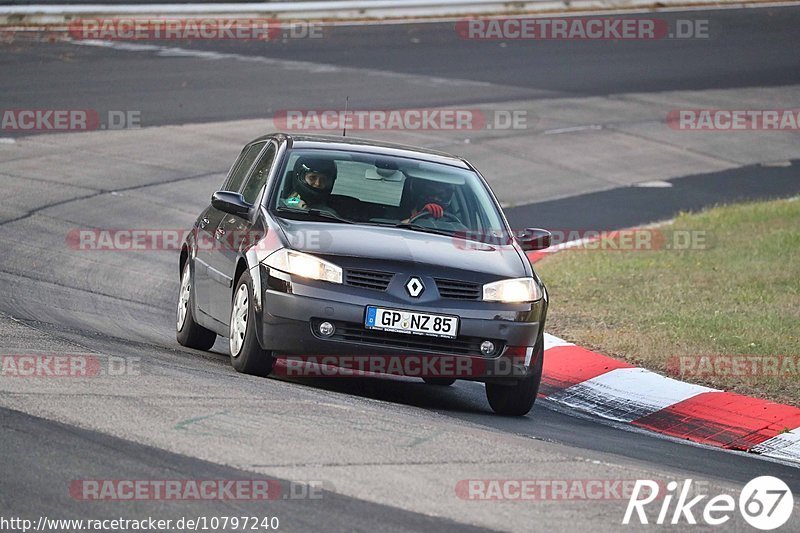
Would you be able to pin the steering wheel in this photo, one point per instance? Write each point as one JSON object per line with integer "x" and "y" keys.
{"x": 426, "y": 213}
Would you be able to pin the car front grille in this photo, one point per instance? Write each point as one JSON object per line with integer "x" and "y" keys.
{"x": 460, "y": 346}
{"x": 459, "y": 290}
{"x": 368, "y": 279}
{"x": 378, "y": 280}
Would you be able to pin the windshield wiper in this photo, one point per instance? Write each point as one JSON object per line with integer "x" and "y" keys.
{"x": 423, "y": 229}
{"x": 316, "y": 213}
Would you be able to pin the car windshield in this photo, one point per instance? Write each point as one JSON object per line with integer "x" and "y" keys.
{"x": 368, "y": 189}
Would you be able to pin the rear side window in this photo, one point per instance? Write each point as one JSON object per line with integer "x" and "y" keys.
{"x": 246, "y": 159}
{"x": 259, "y": 176}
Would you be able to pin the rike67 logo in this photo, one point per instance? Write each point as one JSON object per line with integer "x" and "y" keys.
{"x": 766, "y": 503}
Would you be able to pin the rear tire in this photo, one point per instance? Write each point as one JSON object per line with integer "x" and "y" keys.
{"x": 247, "y": 355}
{"x": 439, "y": 382}
{"x": 518, "y": 399}
{"x": 188, "y": 332}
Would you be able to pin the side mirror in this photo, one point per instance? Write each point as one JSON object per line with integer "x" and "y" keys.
{"x": 230, "y": 202}
{"x": 532, "y": 239}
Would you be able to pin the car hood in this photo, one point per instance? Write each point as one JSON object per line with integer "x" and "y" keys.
{"x": 398, "y": 245}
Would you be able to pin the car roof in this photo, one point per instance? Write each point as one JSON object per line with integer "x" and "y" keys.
{"x": 329, "y": 142}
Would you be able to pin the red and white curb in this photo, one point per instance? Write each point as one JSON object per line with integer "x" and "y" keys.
{"x": 593, "y": 383}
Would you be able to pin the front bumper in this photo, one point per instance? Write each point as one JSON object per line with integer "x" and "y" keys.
{"x": 292, "y": 309}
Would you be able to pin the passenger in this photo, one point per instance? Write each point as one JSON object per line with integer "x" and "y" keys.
{"x": 313, "y": 180}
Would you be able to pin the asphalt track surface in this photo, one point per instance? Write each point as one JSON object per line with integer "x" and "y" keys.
{"x": 627, "y": 207}
{"x": 61, "y": 454}
{"x": 348, "y": 431}
{"x": 745, "y": 48}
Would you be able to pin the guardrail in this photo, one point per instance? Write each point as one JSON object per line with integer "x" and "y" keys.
{"x": 328, "y": 9}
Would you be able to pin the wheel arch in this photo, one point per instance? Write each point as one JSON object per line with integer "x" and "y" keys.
{"x": 183, "y": 258}
{"x": 249, "y": 263}
{"x": 241, "y": 266}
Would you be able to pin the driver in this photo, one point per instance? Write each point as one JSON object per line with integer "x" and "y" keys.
{"x": 430, "y": 197}
{"x": 312, "y": 182}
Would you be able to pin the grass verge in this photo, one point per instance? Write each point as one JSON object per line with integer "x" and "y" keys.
{"x": 718, "y": 304}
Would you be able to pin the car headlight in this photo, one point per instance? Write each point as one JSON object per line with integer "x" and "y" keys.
{"x": 305, "y": 265}
{"x": 512, "y": 291}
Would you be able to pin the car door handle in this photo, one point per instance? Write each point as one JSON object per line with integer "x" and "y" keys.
{"x": 203, "y": 223}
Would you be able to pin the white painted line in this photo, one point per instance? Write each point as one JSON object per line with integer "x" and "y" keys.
{"x": 7, "y": 140}
{"x": 306, "y": 66}
{"x": 120, "y": 45}
{"x": 655, "y": 184}
{"x": 551, "y": 341}
{"x": 571, "y": 129}
{"x": 627, "y": 394}
{"x": 784, "y": 446}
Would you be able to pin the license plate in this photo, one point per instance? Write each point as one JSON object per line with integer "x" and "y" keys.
{"x": 411, "y": 322}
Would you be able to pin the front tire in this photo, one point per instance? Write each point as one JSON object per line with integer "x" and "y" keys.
{"x": 247, "y": 355}
{"x": 518, "y": 399}
{"x": 188, "y": 332}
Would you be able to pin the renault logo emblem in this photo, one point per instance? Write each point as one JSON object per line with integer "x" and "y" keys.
{"x": 415, "y": 287}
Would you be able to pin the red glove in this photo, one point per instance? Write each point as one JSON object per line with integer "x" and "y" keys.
{"x": 434, "y": 209}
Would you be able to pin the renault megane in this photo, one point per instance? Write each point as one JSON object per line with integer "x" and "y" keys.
{"x": 342, "y": 247}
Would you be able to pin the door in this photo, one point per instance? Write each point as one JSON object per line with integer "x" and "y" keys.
{"x": 235, "y": 234}
{"x": 207, "y": 277}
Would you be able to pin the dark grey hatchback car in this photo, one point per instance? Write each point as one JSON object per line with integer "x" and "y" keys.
{"x": 366, "y": 256}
